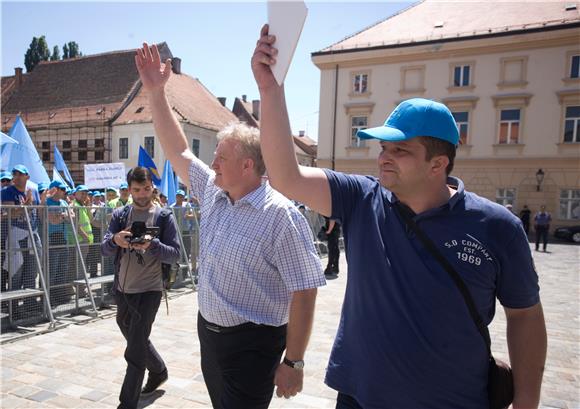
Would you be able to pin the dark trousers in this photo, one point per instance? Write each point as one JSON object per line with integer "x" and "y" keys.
{"x": 526, "y": 225}
{"x": 59, "y": 259}
{"x": 239, "y": 363}
{"x": 542, "y": 234}
{"x": 333, "y": 252}
{"x": 94, "y": 255}
{"x": 135, "y": 316}
{"x": 346, "y": 402}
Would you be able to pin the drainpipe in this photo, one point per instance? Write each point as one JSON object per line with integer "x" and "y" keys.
{"x": 332, "y": 155}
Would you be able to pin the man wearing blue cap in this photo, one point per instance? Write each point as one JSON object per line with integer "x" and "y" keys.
{"x": 406, "y": 337}
{"x": 24, "y": 268}
{"x": 5, "y": 179}
{"x": 60, "y": 272}
{"x": 183, "y": 214}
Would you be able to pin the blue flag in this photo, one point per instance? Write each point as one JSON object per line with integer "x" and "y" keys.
{"x": 146, "y": 161}
{"x": 22, "y": 153}
{"x": 168, "y": 183}
{"x": 57, "y": 176}
{"x": 6, "y": 139}
{"x": 60, "y": 165}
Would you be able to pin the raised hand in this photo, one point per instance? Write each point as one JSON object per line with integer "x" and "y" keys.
{"x": 264, "y": 56}
{"x": 153, "y": 73}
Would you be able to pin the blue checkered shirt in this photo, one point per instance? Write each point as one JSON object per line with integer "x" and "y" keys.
{"x": 253, "y": 253}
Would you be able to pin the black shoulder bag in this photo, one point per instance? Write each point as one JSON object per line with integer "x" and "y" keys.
{"x": 500, "y": 386}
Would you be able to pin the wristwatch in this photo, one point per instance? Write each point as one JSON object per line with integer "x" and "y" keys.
{"x": 294, "y": 364}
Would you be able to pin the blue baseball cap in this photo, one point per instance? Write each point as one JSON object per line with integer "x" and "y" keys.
{"x": 111, "y": 189}
{"x": 42, "y": 186}
{"x": 6, "y": 175}
{"x": 81, "y": 188}
{"x": 124, "y": 185}
{"x": 180, "y": 192}
{"x": 57, "y": 184}
{"x": 20, "y": 168}
{"x": 97, "y": 194}
{"x": 416, "y": 117}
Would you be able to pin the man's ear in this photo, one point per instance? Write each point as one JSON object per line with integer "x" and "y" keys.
{"x": 439, "y": 165}
{"x": 248, "y": 165}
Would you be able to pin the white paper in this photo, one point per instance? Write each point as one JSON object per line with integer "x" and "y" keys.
{"x": 103, "y": 175}
{"x": 285, "y": 20}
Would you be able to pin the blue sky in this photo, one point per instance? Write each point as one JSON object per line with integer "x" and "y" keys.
{"x": 215, "y": 40}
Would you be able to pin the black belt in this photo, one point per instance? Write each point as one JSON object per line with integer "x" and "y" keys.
{"x": 218, "y": 329}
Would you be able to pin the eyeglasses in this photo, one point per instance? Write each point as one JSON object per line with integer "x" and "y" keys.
{"x": 5, "y": 180}
{"x": 62, "y": 189}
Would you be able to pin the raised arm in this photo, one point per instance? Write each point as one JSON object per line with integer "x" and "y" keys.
{"x": 304, "y": 184}
{"x": 154, "y": 75}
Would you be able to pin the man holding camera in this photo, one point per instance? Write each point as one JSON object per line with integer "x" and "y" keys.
{"x": 139, "y": 280}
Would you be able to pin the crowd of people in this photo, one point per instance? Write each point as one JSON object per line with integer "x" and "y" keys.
{"x": 67, "y": 215}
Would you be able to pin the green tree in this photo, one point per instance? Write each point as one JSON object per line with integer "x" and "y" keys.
{"x": 65, "y": 52}
{"x": 37, "y": 52}
{"x": 73, "y": 49}
{"x": 55, "y": 54}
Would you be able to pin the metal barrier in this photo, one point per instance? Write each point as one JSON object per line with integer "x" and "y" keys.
{"x": 52, "y": 264}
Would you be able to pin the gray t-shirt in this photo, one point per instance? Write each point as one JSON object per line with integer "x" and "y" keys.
{"x": 135, "y": 277}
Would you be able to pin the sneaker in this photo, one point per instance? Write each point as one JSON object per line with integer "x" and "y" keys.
{"x": 154, "y": 381}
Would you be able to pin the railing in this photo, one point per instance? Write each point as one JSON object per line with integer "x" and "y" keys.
{"x": 52, "y": 266}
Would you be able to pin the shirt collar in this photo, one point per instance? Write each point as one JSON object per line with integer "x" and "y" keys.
{"x": 256, "y": 198}
{"x": 452, "y": 181}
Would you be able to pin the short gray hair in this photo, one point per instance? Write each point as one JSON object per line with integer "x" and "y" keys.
{"x": 248, "y": 146}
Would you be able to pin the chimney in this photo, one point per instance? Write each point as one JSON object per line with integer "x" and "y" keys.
{"x": 244, "y": 97}
{"x": 301, "y": 133}
{"x": 222, "y": 101}
{"x": 176, "y": 65}
{"x": 18, "y": 75}
{"x": 256, "y": 109}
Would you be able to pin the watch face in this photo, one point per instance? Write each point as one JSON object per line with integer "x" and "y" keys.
{"x": 298, "y": 364}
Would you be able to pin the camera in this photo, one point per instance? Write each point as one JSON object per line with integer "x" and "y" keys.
{"x": 140, "y": 233}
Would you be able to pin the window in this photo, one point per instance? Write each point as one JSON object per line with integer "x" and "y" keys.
{"x": 195, "y": 147}
{"x": 575, "y": 66}
{"x": 513, "y": 72}
{"x": 572, "y": 124}
{"x": 462, "y": 120}
{"x": 82, "y": 154}
{"x": 66, "y": 144}
{"x": 360, "y": 83}
{"x": 123, "y": 148}
{"x": 82, "y": 144}
{"x": 99, "y": 155}
{"x": 150, "y": 146}
{"x": 99, "y": 143}
{"x": 357, "y": 123}
{"x": 46, "y": 156}
{"x": 509, "y": 126}
{"x": 412, "y": 80}
{"x": 45, "y": 145}
{"x": 461, "y": 75}
{"x": 506, "y": 196}
{"x": 66, "y": 155}
{"x": 570, "y": 204}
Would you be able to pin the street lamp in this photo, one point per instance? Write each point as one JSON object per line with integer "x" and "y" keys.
{"x": 539, "y": 178}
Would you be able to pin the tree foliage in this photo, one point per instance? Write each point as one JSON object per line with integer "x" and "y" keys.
{"x": 37, "y": 52}
{"x": 55, "y": 54}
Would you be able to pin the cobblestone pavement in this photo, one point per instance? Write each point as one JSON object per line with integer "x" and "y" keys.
{"x": 82, "y": 366}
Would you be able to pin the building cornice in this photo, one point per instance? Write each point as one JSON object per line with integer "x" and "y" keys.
{"x": 447, "y": 49}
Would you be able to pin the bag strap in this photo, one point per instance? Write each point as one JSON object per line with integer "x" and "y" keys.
{"x": 405, "y": 213}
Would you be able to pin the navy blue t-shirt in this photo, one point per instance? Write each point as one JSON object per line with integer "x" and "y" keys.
{"x": 406, "y": 339}
{"x": 12, "y": 196}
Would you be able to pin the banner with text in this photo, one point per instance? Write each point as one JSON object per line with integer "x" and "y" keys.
{"x": 103, "y": 175}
